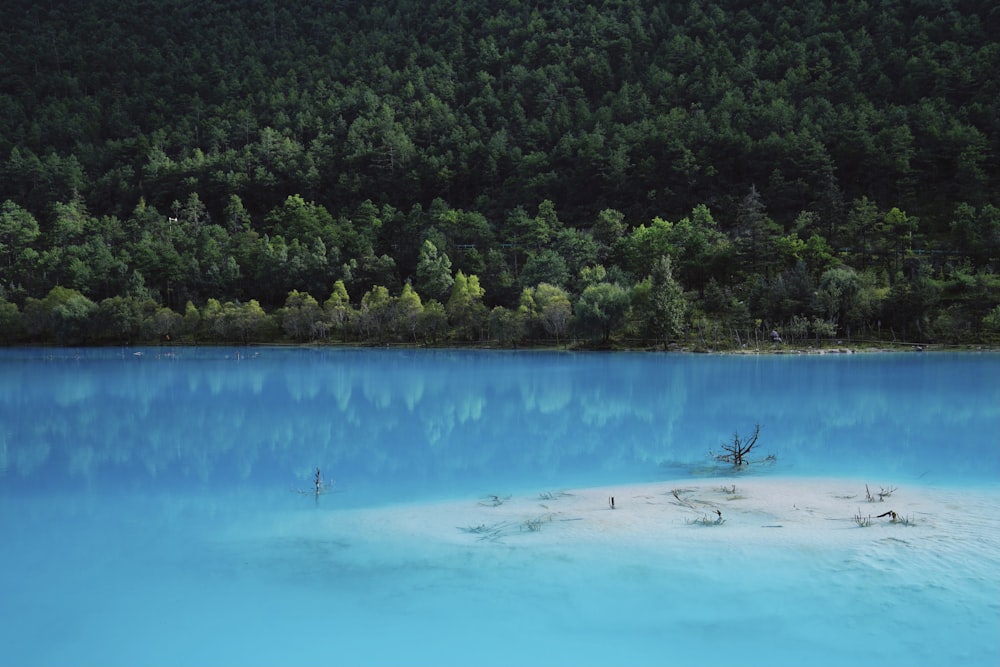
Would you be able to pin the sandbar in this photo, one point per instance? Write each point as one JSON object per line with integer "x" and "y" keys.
{"x": 683, "y": 514}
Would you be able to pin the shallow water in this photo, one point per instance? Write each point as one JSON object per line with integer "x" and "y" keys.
{"x": 151, "y": 512}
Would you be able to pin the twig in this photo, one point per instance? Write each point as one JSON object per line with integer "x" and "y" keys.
{"x": 885, "y": 493}
{"x": 705, "y": 521}
{"x": 895, "y": 518}
{"x": 535, "y": 525}
{"x": 494, "y": 501}
{"x": 685, "y": 503}
{"x": 490, "y": 532}
{"x": 881, "y": 495}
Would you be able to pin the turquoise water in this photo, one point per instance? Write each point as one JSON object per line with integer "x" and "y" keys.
{"x": 147, "y": 497}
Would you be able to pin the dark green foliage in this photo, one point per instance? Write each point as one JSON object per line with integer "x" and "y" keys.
{"x": 660, "y": 304}
{"x": 175, "y": 151}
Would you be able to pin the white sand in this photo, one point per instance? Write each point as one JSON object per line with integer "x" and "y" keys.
{"x": 801, "y": 512}
{"x": 558, "y": 577}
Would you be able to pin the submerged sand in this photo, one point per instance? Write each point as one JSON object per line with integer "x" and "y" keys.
{"x": 689, "y": 513}
{"x": 556, "y": 576}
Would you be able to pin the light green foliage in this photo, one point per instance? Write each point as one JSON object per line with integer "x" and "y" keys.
{"x": 301, "y": 316}
{"x": 240, "y": 323}
{"x": 408, "y": 310}
{"x": 646, "y": 244}
{"x": 337, "y": 307}
{"x": 375, "y": 314}
{"x": 552, "y": 308}
{"x": 466, "y": 311}
{"x": 601, "y": 309}
{"x": 64, "y": 315}
{"x": 506, "y": 326}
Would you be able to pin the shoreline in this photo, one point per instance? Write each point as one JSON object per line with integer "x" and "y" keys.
{"x": 769, "y": 349}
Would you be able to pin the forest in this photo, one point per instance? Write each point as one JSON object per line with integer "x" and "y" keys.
{"x": 631, "y": 173}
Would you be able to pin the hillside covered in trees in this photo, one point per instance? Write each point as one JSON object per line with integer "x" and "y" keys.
{"x": 700, "y": 172}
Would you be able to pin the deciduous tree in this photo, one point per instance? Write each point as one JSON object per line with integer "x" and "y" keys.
{"x": 601, "y": 309}
{"x": 466, "y": 311}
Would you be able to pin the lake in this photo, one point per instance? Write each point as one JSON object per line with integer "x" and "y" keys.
{"x": 159, "y": 507}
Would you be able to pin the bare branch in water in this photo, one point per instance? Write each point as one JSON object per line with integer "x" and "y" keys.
{"x": 738, "y": 452}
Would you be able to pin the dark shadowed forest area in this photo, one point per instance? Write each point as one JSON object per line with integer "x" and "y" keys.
{"x": 640, "y": 173}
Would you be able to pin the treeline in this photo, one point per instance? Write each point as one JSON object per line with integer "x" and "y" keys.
{"x": 538, "y": 280}
{"x": 701, "y": 170}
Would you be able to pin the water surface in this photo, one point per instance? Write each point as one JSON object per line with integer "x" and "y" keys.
{"x": 146, "y": 496}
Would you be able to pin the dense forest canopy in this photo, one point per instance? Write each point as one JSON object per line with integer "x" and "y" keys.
{"x": 668, "y": 169}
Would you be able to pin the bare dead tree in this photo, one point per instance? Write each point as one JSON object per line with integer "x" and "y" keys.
{"x": 737, "y": 452}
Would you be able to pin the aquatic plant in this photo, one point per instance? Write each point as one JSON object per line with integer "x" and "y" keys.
{"x": 862, "y": 521}
{"x": 534, "y": 525}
